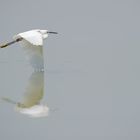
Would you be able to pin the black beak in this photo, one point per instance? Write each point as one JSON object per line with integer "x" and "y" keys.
{"x": 52, "y": 32}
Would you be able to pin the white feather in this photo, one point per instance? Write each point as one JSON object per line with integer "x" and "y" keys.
{"x": 33, "y": 37}
{"x": 35, "y": 111}
{"x": 33, "y": 46}
{"x": 30, "y": 105}
{"x": 34, "y": 55}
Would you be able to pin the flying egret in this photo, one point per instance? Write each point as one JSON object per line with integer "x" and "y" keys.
{"x": 31, "y": 104}
{"x": 32, "y": 42}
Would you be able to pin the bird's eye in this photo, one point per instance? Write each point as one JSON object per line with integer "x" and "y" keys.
{"x": 39, "y": 31}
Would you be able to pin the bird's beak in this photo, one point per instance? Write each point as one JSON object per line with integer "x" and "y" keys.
{"x": 52, "y": 32}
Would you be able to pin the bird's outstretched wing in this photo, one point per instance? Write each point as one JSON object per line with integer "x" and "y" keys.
{"x": 34, "y": 55}
{"x": 33, "y": 37}
{"x": 32, "y": 43}
{"x": 34, "y": 91}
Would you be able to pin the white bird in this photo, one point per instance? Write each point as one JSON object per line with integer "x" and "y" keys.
{"x": 31, "y": 104}
{"x": 32, "y": 42}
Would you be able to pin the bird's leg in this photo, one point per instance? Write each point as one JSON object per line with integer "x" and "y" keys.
{"x": 10, "y": 43}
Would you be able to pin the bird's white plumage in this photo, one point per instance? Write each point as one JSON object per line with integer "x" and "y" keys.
{"x": 33, "y": 36}
{"x": 34, "y": 54}
{"x": 32, "y": 42}
{"x": 31, "y": 103}
{"x": 35, "y": 90}
{"x": 35, "y": 111}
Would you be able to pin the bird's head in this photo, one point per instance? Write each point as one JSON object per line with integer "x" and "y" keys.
{"x": 45, "y": 33}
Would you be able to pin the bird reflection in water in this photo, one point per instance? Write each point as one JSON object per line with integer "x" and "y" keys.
{"x": 31, "y": 103}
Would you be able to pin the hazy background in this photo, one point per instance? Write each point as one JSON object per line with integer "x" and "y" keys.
{"x": 92, "y": 74}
